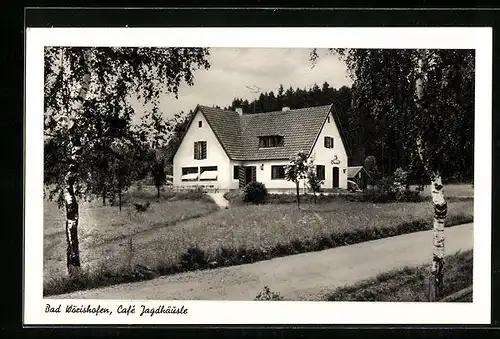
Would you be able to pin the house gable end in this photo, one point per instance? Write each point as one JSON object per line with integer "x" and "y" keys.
{"x": 199, "y": 111}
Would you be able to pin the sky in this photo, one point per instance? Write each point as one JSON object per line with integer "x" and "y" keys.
{"x": 233, "y": 69}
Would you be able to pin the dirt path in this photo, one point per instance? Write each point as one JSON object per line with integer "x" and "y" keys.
{"x": 219, "y": 199}
{"x": 298, "y": 277}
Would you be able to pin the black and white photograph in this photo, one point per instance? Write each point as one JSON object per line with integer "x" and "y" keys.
{"x": 292, "y": 174}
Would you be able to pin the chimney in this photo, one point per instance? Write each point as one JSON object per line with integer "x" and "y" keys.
{"x": 285, "y": 108}
{"x": 239, "y": 110}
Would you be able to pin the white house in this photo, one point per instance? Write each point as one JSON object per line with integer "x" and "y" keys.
{"x": 226, "y": 150}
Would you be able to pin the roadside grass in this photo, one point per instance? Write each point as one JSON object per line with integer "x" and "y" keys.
{"x": 148, "y": 193}
{"x": 409, "y": 284}
{"x": 101, "y": 226}
{"x": 453, "y": 193}
{"x": 245, "y": 234}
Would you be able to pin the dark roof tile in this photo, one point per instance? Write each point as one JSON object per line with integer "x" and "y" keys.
{"x": 239, "y": 135}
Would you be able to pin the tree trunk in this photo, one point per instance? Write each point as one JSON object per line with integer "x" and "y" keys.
{"x": 158, "y": 193}
{"x": 104, "y": 191}
{"x": 71, "y": 204}
{"x": 120, "y": 198}
{"x": 440, "y": 206}
{"x": 298, "y": 193}
{"x": 440, "y": 212}
{"x": 72, "y": 251}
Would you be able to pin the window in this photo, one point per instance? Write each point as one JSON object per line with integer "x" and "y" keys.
{"x": 328, "y": 119}
{"x": 328, "y": 142}
{"x": 277, "y": 172}
{"x": 200, "y": 150}
{"x": 236, "y": 172}
{"x": 208, "y": 173}
{"x": 320, "y": 172}
{"x": 271, "y": 141}
{"x": 189, "y": 174}
{"x": 200, "y": 123}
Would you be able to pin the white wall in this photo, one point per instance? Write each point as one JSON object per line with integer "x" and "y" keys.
{"x": 264, "y": 175}
{"x": 323, "y": 156}
{"x": 216, "y": 156}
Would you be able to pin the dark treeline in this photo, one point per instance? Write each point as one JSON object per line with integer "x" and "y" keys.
{"x": 363, "y": 134}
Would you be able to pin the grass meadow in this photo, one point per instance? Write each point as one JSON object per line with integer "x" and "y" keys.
{"x": 101, "y": 228}
{"x": 177, "y": 235}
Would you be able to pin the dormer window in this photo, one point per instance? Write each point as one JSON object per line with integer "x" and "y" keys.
{"x": 271, "y": 141}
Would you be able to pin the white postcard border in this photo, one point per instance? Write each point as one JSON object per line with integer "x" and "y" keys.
{"x": 260, "y": 312}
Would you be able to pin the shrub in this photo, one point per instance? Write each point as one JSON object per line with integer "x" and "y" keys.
{"x": 194, "y": 259}
{"x": 255, "y": 192}
{"x": 314, "y": 182}
{"x": 409, "y": 195}
{"x": 389, "y": 190}
{"x": 267, "y": 294}
{"x": 235, "y": 196}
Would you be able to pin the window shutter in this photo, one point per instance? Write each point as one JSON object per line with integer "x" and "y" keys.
{"x": 241, "y": 176}
{"x": 254, "y": 174}
{"x": 196, "y": 150}
{"x": 326, "y": 142}
{"x": 204, "y": 150}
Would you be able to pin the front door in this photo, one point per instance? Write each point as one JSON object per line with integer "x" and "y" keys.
{"x": 250, "y": 174}
{"x": 335, "y": 177}
{"x": 247, "y": 174}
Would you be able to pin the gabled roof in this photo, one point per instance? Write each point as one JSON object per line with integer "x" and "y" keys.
{"x": 227, "y": 128}
{"x": 239, "y": 135}
{"x": 299, "y": 127}
{"x": 352, "y": 171}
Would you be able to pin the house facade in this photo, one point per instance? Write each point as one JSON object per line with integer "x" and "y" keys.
{"x": 226, "y": 150}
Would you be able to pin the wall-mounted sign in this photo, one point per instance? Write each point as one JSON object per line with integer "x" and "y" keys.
{"x": 335, "y": 160}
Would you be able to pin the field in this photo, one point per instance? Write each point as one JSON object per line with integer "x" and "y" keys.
{"x": 410, "y": 283}
{"x": 452, "y": 190}
{"x": 103, "y": 227}
{"x": 266, "y": 226}
{"x": 191, "y": 234}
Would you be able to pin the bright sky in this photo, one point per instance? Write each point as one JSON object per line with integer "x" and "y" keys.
{"x": 232, "y": 69}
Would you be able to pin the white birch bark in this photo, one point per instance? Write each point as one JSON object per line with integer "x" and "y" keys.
{"x": 438, "y": 199}
{"x": 71, "y": 204}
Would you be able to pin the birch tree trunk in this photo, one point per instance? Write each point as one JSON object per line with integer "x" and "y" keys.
{"x": 440, "y": 212}
{"x": 71, "y": 204}
{"x": 438, "y": 199}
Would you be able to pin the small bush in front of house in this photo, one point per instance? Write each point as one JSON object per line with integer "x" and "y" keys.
{"x": 267, "y": 295}
{"x": 255, "y": 192}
